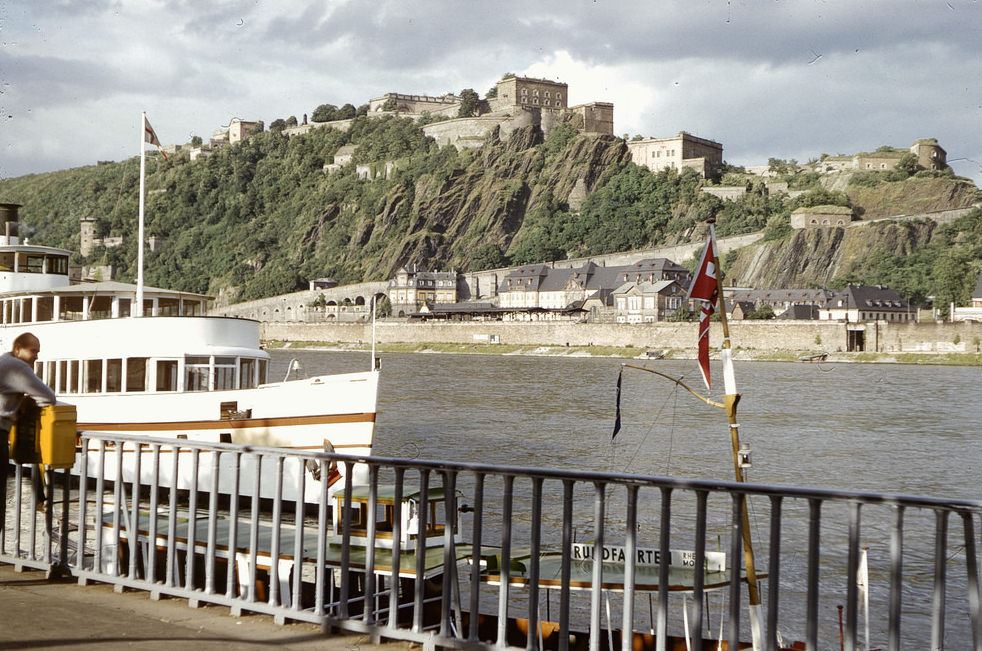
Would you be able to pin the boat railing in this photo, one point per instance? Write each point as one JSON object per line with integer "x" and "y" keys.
{"x": 552, "y": 558}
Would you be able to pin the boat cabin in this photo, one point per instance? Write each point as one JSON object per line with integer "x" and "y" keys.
{"x": 384, "y": 518}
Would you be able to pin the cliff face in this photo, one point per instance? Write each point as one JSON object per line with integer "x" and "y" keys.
{"x": 485, "y": 203}
{"x": 814, "y": 257}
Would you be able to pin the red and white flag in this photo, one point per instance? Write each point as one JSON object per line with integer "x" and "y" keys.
{"x": 149, "y": 135}
{"x": 705, "y": 287}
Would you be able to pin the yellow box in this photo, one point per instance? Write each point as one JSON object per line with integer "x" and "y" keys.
{"x": 58, "y": 435}
{"x": 45, "y": 435}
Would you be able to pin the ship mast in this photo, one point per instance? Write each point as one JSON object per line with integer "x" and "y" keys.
{"x": 731, "y": 398}
{"x": 138, "y": 308}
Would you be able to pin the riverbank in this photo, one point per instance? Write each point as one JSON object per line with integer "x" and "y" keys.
{"x": 877, "y": 341}
{"x": 629, "y": 352}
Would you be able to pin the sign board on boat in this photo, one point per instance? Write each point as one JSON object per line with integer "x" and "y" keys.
{"x": 715, "y": 561}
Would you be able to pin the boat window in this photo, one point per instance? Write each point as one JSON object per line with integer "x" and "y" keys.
{"x": 100, "y": 307}
{"x": 73, "y": 375}
{"x": 62, "y": 377}
{"x": 92, "y": 380}
{"x": 224, "y": 373}
{"x": 262, "y": 371}
{"x": 192, "y": 308}
{"x": 31, "y": 263}
{"x": 167, "y": 375}
{"x": 49, "y": 374}
{"x": 148, "y": 307}
{"x": 196, "y": 373}
{"x": 70, "y": 308}
{"x": 124, "y": 307}
{"x": 168, "y": 307}
{"x": 136, "y": 373}
{"x": 46, "y": 308}
{"x": 56, "y": 264}
{"x": 114, "y": 375}
{"x": 248, "y": 373}
{"x": 27, "y": 310}
{"x": 6, "y": 261}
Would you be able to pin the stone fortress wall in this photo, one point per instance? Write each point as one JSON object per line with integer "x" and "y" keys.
{"x": 804, "y": 336}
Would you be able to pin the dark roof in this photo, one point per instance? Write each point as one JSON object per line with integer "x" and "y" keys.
{"x": 875, "y": 297}
{"x": 807, "y": 296}
{"x": 800, "y": 312}
{"x": 590, "y": 276}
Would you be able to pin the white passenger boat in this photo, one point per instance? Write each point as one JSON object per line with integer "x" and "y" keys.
{"x": 171, "y": 371}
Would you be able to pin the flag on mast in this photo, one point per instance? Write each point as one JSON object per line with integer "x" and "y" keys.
{"x": 705, "y": 288}
{"x": 149, "y": 135}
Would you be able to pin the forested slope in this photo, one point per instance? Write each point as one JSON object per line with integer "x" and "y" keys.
{"x": 262, "y": 217}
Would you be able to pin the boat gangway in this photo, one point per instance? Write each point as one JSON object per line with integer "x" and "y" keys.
{"x": 480, "y": 556}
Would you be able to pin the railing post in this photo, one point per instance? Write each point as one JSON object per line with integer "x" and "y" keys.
{"x": 736, "y": 565}
{"x": 940, "y": 579}
{"x": 814, "y": 547}
{"x": 852, "y": 575}
{"x": 505, "y": 569}
{"x": 664, "y": 565}
{"x": 476, "y": 545}
{"x": 896, "y": 577}
{"x": 774, "y": 573}
{"x": 566, "y": 567}
{"x": 596, "y": 589}
{"x": 630, "y": 563}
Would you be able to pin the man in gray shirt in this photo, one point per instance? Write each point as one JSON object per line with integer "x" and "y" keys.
{"x": 17, "y": 379}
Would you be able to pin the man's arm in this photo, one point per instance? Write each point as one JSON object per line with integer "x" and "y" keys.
{"x": 26, "y": 381}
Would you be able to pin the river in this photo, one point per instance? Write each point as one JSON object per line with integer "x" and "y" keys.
{"x": 915, "y": 430}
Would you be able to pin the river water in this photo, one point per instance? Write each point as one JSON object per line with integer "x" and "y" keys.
{"x": 912, "y": 430}
{"x": 915, "y": 430}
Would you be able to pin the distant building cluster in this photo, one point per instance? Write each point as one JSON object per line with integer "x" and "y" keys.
{"x": 647, "y": 291}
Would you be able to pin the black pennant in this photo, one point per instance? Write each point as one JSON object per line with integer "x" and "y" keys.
{"x": 617, "y": 421}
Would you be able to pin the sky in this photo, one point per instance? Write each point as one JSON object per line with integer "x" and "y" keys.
{"x": 768, "y": 78}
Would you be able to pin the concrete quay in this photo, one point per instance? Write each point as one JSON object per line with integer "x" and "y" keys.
{"x": 37, "y": 613}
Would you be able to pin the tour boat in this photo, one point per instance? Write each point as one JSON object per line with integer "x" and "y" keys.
{"x": 169, "y": 370}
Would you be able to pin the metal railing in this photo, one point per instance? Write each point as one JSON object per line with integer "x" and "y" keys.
{"x": 526, "y": 557}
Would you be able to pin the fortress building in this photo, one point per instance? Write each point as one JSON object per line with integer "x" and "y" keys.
{"x": 684, "y": 150}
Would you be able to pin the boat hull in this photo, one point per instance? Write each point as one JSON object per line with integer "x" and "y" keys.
{"x": 332, "y": 413}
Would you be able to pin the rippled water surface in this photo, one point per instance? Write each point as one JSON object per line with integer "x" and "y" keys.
{"x": 891, "y": 428}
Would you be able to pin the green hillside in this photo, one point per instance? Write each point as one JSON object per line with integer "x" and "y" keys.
{"x": 262, "y": 217}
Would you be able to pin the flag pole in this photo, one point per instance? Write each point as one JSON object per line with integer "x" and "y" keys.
{"x": 138, "y": 308}
{"x": 730, "y": 399}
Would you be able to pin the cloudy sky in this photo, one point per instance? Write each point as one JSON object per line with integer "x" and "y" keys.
{"x": 766, "y": 78}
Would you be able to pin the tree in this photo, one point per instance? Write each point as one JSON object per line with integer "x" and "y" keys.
{"x": 390, "y": 104}
{"x": 762, "y": 313}
{"x": 325, "y": 113}
{"x": 470, "y": 102}
{"x": 347, "y": 112}
{"x": 908, "y": 163}
{"x": 196, "y": 141}
{"x": 486, "y": 256}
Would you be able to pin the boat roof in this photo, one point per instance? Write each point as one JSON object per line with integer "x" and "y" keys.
{"x": 106, "y": 287}
{"x": 32, "y": 248}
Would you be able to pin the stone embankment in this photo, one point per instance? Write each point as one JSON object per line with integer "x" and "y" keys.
{"x": 793, "y": 336}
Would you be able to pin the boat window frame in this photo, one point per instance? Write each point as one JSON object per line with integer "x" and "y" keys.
{"x": 175, "y": 374}
{"x": 220, "y": 365}
{"x": 202, "y": 373}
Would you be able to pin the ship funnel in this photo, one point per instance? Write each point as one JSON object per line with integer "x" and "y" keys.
{"x": 8, "y": 223}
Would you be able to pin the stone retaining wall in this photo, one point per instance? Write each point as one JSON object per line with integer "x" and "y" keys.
{"x": 805, "y": 336}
